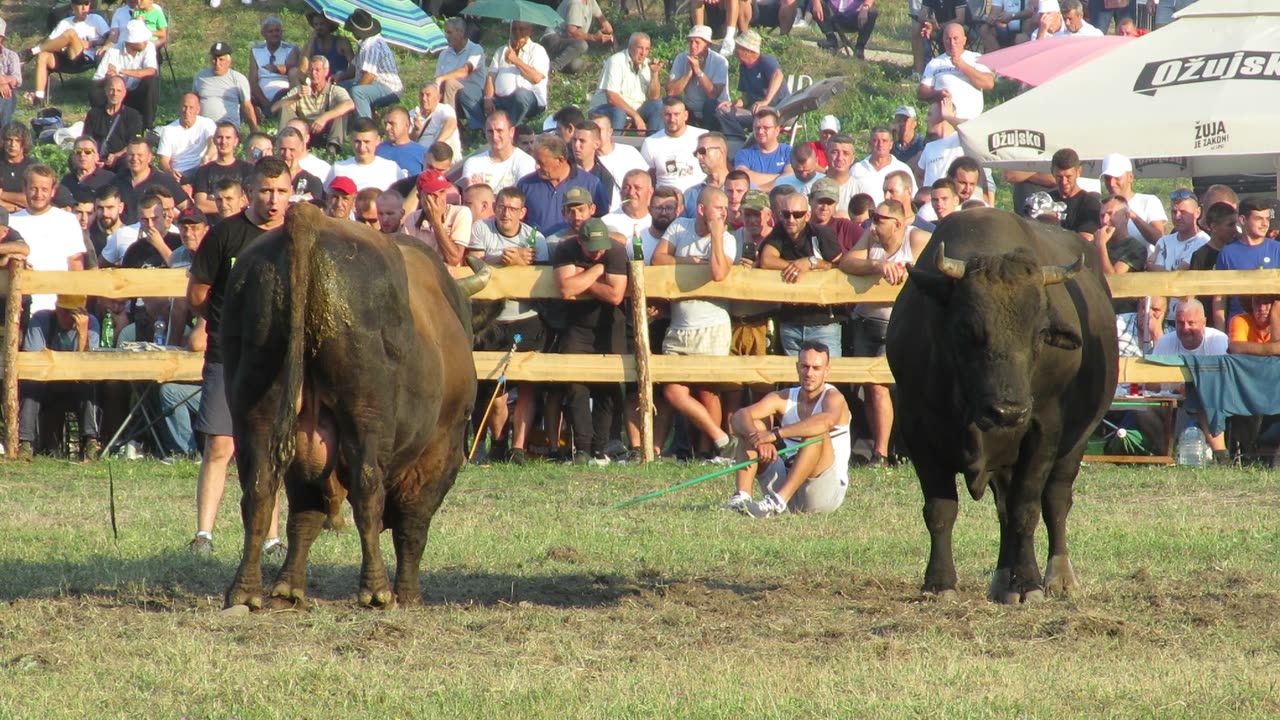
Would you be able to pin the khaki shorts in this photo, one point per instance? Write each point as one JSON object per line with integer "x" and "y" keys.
{"x": 750, "y": 339}
{"x": 714, "y": 340}
{"x": 821, "y": 494}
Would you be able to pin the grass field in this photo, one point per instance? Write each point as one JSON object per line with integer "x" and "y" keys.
{"x": 540, "y": 603}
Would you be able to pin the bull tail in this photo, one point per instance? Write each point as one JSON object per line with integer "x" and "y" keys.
{"x": 301, "y": 232}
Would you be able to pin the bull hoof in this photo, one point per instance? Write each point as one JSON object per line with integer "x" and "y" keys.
{"x": 1033, "y": 595}
{"x": 999, "y": 591}
{"x": 1059, "y": 577}
{"x": 380, "y": 599}
{"x": 286, "y": 591}
{"x": 939, "y": 594}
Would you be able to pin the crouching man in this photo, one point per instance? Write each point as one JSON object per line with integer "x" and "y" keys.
{"x": 814, "y": 478}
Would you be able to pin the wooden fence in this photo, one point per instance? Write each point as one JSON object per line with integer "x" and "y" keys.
{"x": 668, "y": 283}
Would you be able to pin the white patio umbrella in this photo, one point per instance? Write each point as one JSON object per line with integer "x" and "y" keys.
{"x": 1200, "y": 97}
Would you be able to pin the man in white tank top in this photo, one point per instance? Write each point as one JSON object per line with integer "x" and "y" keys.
{"x": 814, "y": 478}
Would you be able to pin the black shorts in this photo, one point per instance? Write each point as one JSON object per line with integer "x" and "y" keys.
{"x": 868, "y": 336}
{"x": 764, "y": 15}
{"x": 67, "y": 64}
{"x": 214, "y": 417}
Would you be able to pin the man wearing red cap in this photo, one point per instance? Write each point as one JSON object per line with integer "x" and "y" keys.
{"x": 341, "y": 199}
{"x": 435, "y": 219}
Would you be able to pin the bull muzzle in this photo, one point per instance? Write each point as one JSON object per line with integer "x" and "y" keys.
{"x": 1053, "y": 274}
{"x": 1002, "y": 414}
{"x": 477, "y": 282}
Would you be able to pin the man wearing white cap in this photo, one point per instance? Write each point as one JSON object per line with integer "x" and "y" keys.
{"x": 701, "y": 78}
{"x": 1146, "y": 213}
{"x": 958, "y": 75}
{"x": 907, "y": 143}
{"x": 135, "y": 61}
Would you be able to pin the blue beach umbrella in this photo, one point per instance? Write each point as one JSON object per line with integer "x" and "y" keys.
{"x": 403, "y": 22}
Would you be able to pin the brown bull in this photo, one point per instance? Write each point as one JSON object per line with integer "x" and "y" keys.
{"x": 348, "y": 359}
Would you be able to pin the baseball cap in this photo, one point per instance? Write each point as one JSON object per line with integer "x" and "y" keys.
{"x": 344, "y": 185}
{"x": 749, "y": 40}
{"x": 702, "y": 32}
{"x": 219, "y": 49}
{"x": 825, "y": 189}
{"x": 829, "y": 122}
{"x": 905, "y": 110}
{"x": 192, "y": 216}
{"x": 595, "y": 235}
{"x": 1116, "y": 165}
{"x": 1048, "y": 6}
{"x": 432, "y": 181}
{"x": 576, "y": 196}
{"x": 136, "y": 31}
{"x": 755, "y": 200}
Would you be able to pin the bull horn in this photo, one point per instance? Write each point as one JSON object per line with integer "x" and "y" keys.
{"x": 1057, "y": 274}
{"x": 474, "y": 284}
{"x": 950, "y": 267}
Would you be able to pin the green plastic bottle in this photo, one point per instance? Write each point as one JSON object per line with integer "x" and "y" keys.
{"x": 107, "y": 338}
{"x": 637, "y": 245}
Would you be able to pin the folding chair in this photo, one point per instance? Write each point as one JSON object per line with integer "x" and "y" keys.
{"x": 795, "y": 84}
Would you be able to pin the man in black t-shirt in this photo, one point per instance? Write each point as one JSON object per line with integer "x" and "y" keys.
{"x": 138, "y": 175}
{"x": 1083, "y": 208}
{"x": 269, "y": 198}
{"x": 795, "y": 247}
{"x": 590, "y": 264}
{"x": 83, "y": 172}
{"x": 1222, "y": 220}
{"x": 113, "y": 125}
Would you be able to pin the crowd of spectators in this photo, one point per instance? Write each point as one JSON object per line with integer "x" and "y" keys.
{"x": 578, "y": 197}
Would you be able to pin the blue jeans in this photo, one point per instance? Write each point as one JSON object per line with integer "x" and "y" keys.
{"x": 651, "y": 111}
{"x": 367, "y": 97}
{"x": 178, "y": 398}
{"x": 470, "y": 106}
{"x": 792, "y": 336}
{"x": 519, "y": 105}
{"x": 1100, "y": 17}
{"x": 7, "y": 107}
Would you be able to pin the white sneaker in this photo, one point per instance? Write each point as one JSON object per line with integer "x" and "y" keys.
{"x": 737, "y": 503}
{"x": 769, "y": 506}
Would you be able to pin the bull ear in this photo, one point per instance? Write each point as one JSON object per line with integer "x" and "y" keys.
{"x": 934, "y": 285}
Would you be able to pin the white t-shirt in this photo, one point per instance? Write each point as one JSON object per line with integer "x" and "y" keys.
{"x": 871, "y": 181}
{"x": 1147, "y": 207}
{"x": 498, "y": 174}
{"x": 185, "y": 146}
{"x": 54, "y": 237}
{"x": 941, "y": 74}
{"x": 685, "y": 242}
{"x": 1214, "y": 343}
{"x": 937, "y": 156}
{"x": 119, "y": 242}
{"x": 92, "y": 28}
{"x": 317, "y": 166}
{"x": 443, "y": 113}
{"x": 380, "y": 173}
{"x": 620, "y": 76}
{"x": 472, "y": 55}
{"x": 626, "y": 226}
{"x": 507, "y": 78}
{"x": 621, "y": 161}
{"x": 270, "y": 81}
{"x": 672, "y": 159}
{"x": 1172, "y": 252}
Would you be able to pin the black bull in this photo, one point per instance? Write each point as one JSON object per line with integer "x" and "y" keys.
{"x": 1003, "y": 348}
{"x": 349, "y": 372}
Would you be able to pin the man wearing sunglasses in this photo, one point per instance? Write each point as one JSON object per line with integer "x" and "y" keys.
{"x": 796, "y": 247}
{"x": 713, "y": 158}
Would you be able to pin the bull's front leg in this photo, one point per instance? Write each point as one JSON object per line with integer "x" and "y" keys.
{"x": 259, "y": 487}
{"x": 1018, "y": 551}
{"x": 1059, "y": 576}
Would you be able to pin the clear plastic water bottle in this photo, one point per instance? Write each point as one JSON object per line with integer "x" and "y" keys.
{"x": 1191, "y": 447}
{"x": 162, "y": 332}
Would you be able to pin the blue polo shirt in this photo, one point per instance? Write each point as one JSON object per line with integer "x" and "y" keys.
{"x": 543, "y": 199}
{"x": 1239, "y": 255}
{"x": 753, "y": 82}
{"x": 408, "y": 156}
{"x": 774, "y": 163}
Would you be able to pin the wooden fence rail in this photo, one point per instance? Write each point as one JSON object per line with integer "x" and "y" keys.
{"x": 668, "y": 283}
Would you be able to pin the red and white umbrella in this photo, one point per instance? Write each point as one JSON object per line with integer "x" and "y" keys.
{"x": 1039, "y": 61}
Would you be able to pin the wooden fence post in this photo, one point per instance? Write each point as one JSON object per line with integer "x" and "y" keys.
{"x": 644, "y": 379}
{"x": 12, "y": 315}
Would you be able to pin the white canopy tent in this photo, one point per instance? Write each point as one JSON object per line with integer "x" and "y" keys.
{"x": 1200, "y": 97}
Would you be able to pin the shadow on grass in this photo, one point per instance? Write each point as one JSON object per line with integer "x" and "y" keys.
{"x": 176, "y": 580}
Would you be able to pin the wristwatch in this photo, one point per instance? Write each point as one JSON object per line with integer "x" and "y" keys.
{"x": 813, "y": 263}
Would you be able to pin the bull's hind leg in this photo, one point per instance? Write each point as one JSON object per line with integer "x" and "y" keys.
{"x": 364, "y": 479}
{"x": 1059, "y": 576}
{"x": 410, "y": 520}
{"x": 308, "y": 508}
{"x": 257, "y": 503}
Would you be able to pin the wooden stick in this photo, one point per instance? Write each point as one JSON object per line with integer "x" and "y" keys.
{"x": 644, "y": 379}
{"x": 12, "y": 317}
